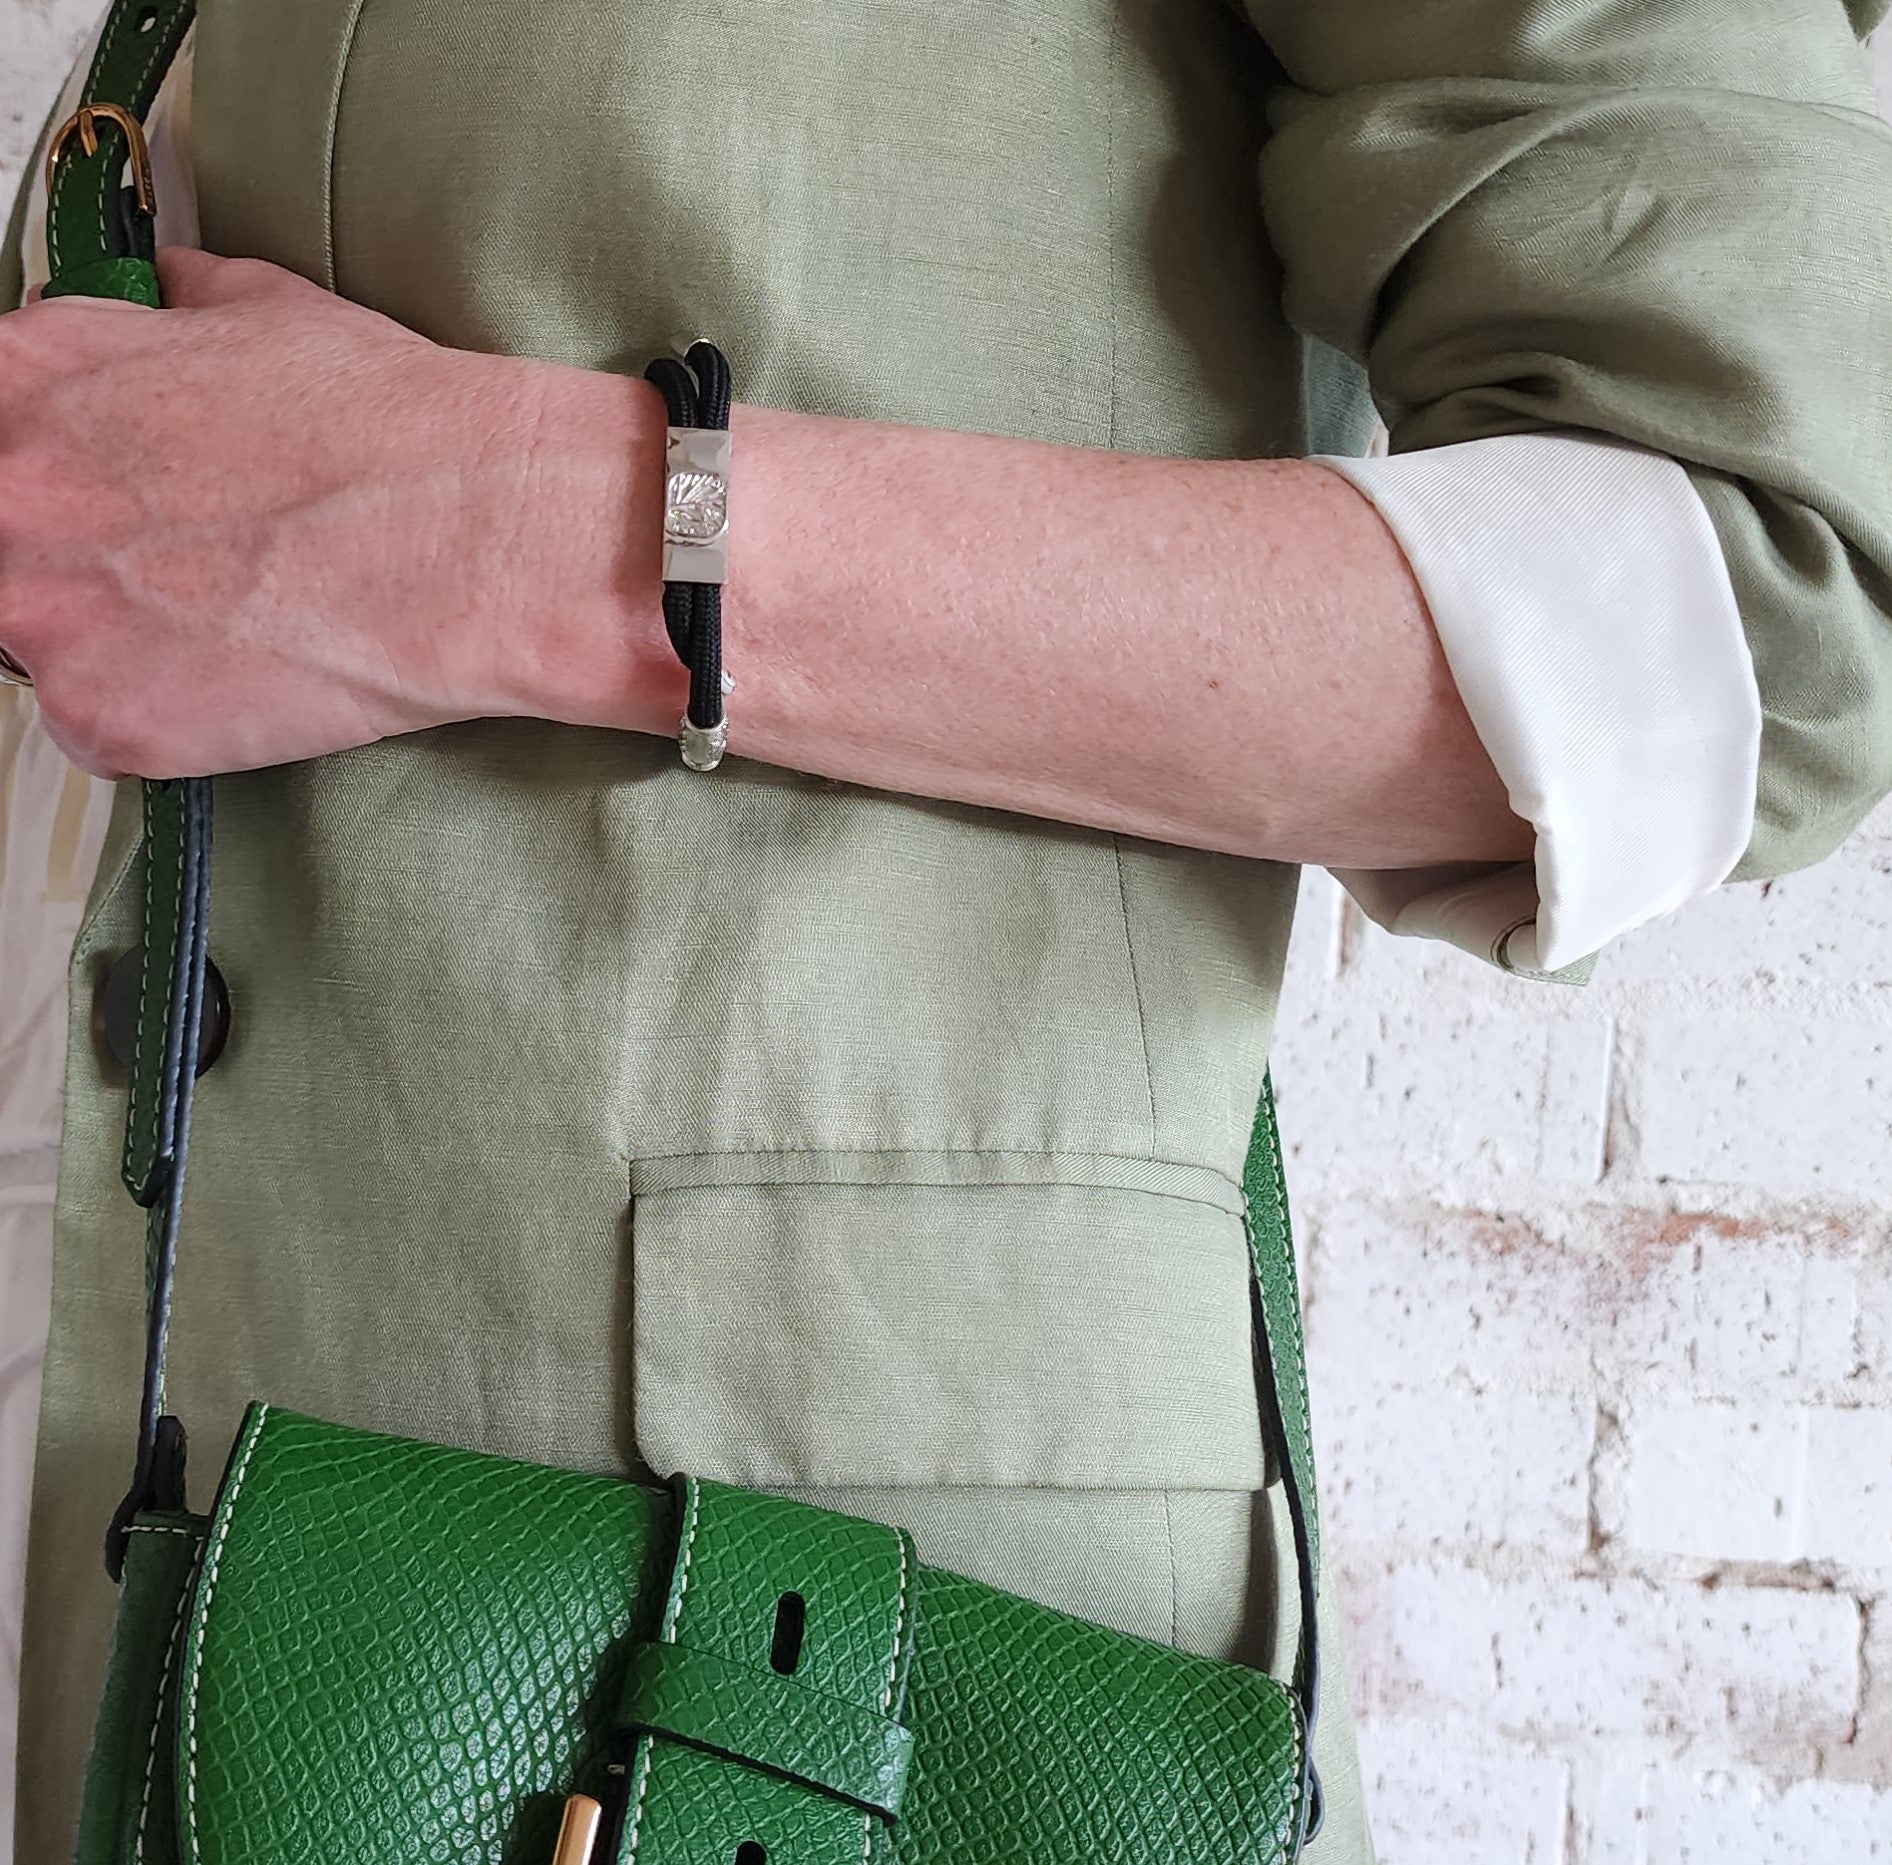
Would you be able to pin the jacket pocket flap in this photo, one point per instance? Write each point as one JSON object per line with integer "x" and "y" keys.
{"x": 833, "y": 1324}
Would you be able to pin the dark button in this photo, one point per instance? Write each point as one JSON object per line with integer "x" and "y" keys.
{"x": 118, "y": 1010}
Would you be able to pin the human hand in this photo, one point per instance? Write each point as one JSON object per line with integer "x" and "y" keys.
{"x": 266, "y": 523}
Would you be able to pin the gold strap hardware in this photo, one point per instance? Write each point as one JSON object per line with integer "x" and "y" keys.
{"x": 577, "y": 1831}
{"x": 85, "y": 123}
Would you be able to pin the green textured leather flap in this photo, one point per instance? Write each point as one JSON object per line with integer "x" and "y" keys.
{"x": 395, "y": 1651}
{"x": 400, "y": 1652}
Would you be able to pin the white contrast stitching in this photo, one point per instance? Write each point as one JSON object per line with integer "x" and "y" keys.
{"x": 157, "y": 1720}
{"x": 1298, "y": 1364}
{"x": 667, "y": 1634}
{"x": 159, "y": 1528}
{"x": 135, "y": 1123}
{"x": 637, "y": 1811}
{"x": 893, "y": 1676}
{"x": 899, "y": 1627}
{"x": 227, "y": 1515}
{"x": 683, "y": 1572}
{"x": 1297, "y": 1808}
{"x": 109, "y": 177}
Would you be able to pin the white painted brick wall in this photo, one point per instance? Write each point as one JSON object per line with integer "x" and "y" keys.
{"x": 1790, "y": 1106}
{"x": 1601, "y": 1323}
{"x": 1777, "y": 1483}
{"x": 1463, "y": 1801}
{"x": 1634, "y": 1598}
{"x": 1655, "y": 1815}
{"x": 1730, "y": 1673}
{"x": 1516, "y": 1475}
{"x": 1617, "y": 1260}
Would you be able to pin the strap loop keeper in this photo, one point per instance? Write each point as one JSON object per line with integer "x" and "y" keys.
{"x": 767, "y": 1721}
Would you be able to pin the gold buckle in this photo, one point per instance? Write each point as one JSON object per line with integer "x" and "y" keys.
{"x": 84, "y": 122}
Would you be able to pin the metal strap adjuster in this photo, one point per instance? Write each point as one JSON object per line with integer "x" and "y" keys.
{"x": 84, "y": 123}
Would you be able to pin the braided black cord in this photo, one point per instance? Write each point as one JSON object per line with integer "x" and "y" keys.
{"x": 696, "y": 395}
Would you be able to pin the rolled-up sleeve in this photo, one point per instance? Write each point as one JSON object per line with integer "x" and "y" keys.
{"x": 1671, "y": 225}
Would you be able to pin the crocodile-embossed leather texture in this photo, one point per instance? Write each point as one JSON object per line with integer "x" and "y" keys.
{"x": 1045, "y": 1740}
{"x": 739, "y": 1555}
{"x": 135, "y": 280}
{"x": 396, "y": 1651}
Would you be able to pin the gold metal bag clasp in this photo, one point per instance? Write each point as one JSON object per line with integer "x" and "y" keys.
{"x": 578, "y": 1831}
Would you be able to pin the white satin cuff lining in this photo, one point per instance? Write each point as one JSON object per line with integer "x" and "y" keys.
{"x": 1580, "y": 593}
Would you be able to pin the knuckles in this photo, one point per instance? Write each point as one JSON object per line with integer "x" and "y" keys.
{"x": 68, "y": 635}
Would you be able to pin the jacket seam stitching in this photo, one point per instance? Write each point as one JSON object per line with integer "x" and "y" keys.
{"x": 1175, "y": 1589}
{"x": 1136, "y": 977}
{"x": 347, "y": 51}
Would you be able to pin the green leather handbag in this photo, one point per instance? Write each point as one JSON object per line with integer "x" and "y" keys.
{"x": 374, "y": 1651}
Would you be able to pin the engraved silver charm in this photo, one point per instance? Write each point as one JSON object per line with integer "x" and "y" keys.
{"x": 696, "y": 504}
{"x": 702, "y": 745}
{"x": 696, "y": 507}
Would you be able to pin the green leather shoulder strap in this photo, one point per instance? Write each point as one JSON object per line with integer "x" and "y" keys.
{"x": 1281, "y": 1378}
{"x": 99, "y": 244}
{"x": 99, "y": 236}
{"x": 1278, "y": 1294}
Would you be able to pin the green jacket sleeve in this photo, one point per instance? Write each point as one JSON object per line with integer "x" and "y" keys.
{"x": 1669, "y": 223}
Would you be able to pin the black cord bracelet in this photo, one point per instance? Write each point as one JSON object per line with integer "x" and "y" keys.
{"x": 696, "y": 392}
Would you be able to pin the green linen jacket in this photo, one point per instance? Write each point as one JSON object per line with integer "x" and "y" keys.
{"x": 922, "y": 1125}
{"x": 1668, "y": 223}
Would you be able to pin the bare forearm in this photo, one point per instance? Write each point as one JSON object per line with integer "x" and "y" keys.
{"x": 315, "y": 529}
{"x": 1228, "y": 654}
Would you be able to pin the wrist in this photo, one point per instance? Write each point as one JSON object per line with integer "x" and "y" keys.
{"x": 580, "y": 638}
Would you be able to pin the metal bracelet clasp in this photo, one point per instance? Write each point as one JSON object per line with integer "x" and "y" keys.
{"x": 84, "y": 123}
{"x": 696, "y": 504}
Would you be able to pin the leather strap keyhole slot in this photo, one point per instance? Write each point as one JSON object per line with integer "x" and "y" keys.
{"x": 751, "y": 1852}
{"x": 791, "y": 1620}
